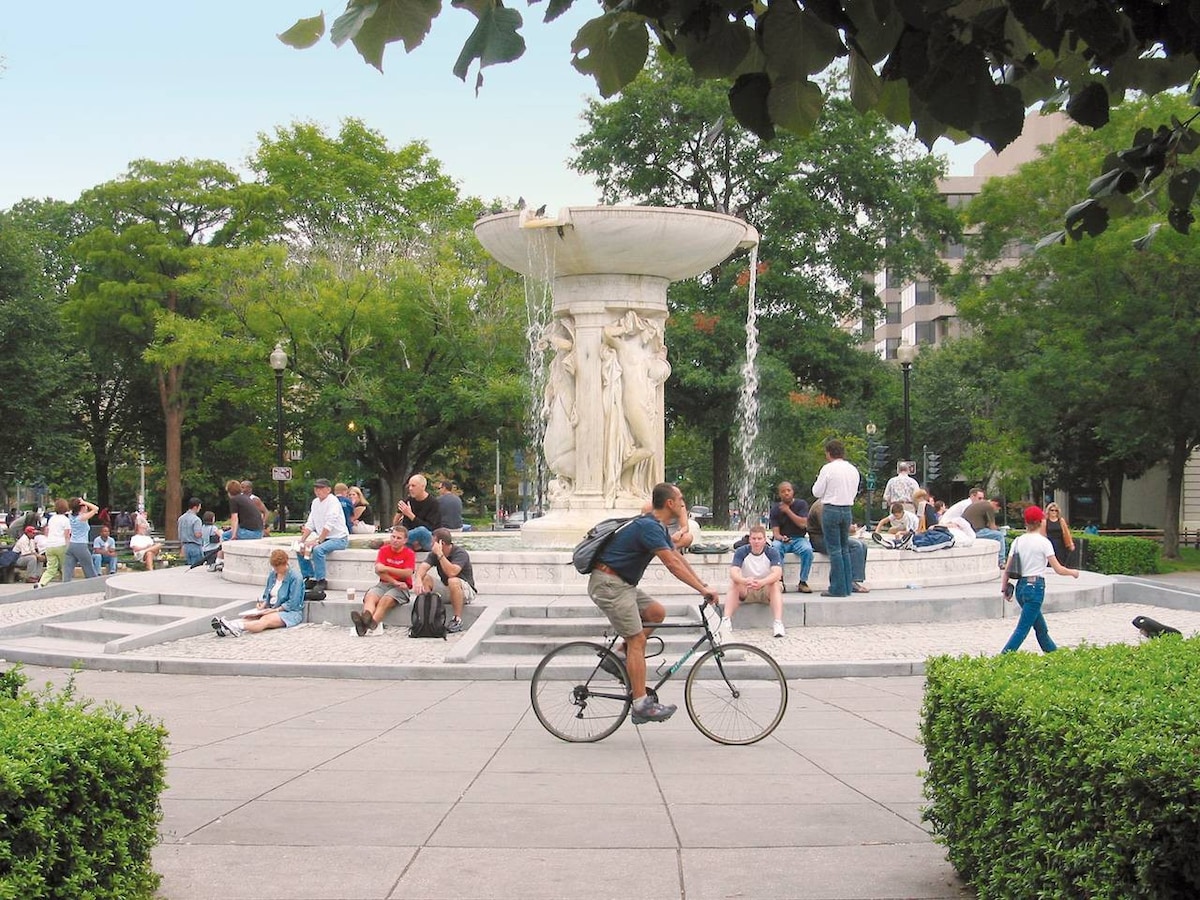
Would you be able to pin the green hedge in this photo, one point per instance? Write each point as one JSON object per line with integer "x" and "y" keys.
{"x": 1075, "y": 774}
{"x": 79, "y": 791}
{"x": 1121, "y": 555}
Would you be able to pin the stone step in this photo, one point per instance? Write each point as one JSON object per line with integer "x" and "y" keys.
{"x": 98, "y": 631}
{"x": 152, "y": 614}
{"x": 538, "y": 644}
{"x": 583, "y": 608}
{"x": 567, "y": 627}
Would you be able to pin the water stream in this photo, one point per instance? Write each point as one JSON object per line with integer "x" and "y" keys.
{"x": 538, "y": 305}
{"x": 752, "y": 463}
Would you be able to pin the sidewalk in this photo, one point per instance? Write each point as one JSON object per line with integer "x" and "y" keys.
{"x": 320, "y": 789}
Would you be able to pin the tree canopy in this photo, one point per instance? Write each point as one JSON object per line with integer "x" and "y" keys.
{"x": 947, "y": 67}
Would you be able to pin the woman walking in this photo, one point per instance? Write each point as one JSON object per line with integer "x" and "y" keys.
{"x": 79, "y": 549}
{"x": 1030, "y": 555}
{"x": 58, "y": 533}
{"x": 1059, "y": 533}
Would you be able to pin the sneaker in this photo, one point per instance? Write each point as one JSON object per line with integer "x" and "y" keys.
{"x": 803, "y": 588}
{"x": 778, "y": 630}
{"x": 652, "y": 712}
{"x": 375, "y": 630}
{"x": 217, "y": 626}
{"x": 361, "y": 623}
{"x": 232, "y": 628}
{"x": 612, "y": 667}
{"x": 725, "y": 632}
{"x": 454, "y": 626}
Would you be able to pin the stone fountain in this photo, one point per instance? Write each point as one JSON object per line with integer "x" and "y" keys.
{"x": 609, "y": 268}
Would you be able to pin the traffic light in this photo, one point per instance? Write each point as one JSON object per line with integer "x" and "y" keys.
{"x": 933, "y": 466}
{"x": 879, "y": 457}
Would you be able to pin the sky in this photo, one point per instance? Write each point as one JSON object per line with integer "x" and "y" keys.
{"x": 88, "y": 86}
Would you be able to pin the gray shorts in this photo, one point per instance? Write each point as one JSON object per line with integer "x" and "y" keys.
{"x": 397, "y": 592}
{"x": 439, "y": 587}
{"x": 621, "y": 602}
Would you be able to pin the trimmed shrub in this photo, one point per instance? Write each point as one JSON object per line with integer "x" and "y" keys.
{"x": 79, "y": 791}
{"x": 1121, "y": 555}
{"x": 1075, "y": 774}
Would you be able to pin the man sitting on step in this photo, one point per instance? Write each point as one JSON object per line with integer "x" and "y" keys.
{"x": 394, "y": 564}
{"x": 756, "y": 576}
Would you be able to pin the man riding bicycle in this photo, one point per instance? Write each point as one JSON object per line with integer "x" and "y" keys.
{"x": 613, "y": 587}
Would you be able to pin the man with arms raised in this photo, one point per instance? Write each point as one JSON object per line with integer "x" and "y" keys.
{"x": 613, "y": 587}
{"x": 420, "y": 514}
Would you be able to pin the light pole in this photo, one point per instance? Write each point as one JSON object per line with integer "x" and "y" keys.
{"x": 906, "y": 353}
{"x": 279, "y": 361}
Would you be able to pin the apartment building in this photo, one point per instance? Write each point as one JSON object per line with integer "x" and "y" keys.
{"x": 913, "y": 311}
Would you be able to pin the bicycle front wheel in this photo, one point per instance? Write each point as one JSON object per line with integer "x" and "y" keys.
{"x": 739, "y": 700}
{"x": 576, "y": 698}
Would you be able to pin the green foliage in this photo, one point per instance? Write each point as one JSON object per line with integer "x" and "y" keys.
{"x": 1073, "y": 774}
{"x": 1121, "y": 555}
{"x": 931, "y": 64}
{"x": 873, "y": 204}
{"x": 79, "y": 791}
{"x": 11, "y": 682}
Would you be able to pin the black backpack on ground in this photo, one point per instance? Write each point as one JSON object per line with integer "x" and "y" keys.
{"x": 428, "y": 617}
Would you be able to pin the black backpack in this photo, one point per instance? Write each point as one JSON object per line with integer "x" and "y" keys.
{"x": 428, "y": 617}
{"x": 588, "y": 550}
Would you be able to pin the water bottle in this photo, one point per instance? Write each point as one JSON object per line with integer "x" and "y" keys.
{"x": 351, "y": 596}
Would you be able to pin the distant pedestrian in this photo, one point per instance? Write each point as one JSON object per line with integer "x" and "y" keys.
{"x": 79, "y": 548}
{"x": 1031, "y": 554}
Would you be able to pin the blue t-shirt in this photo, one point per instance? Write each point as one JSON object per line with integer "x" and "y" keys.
{"x": 347, "y": 509}
{"x": 740, "y": 554}
{"x": 632, "y": 548}
{"x": 80, "y": 530}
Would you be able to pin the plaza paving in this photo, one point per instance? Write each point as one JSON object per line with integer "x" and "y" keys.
{"x": 333, "y": 789}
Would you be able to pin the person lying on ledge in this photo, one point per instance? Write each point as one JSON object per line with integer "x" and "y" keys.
{"x": 281, "y": 606}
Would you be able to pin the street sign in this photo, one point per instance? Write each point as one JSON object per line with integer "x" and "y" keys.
{"x": 871, "y": 481}
{"x": 281, "y": 473}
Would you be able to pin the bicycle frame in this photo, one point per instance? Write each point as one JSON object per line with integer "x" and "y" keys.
{"x": 706, "y": 638}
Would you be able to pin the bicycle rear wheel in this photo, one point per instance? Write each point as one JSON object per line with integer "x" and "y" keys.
{"x": 736, "y": 701}
{"x": 576, "y": 699}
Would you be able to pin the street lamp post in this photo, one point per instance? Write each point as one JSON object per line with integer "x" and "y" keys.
{"x": 279, "y": 361}
{"x": 906, "y": 353}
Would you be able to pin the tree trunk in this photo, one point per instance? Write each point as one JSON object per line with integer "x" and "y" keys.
{"x": 720, "y": 480}
{"x": 103, "y": 487}
{"x": 1180, "y": 451}
{"x": 1116, "y": 486}
{"x": 170, "y": 390}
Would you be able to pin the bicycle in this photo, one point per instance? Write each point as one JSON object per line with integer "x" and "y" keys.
{"x": 734, "y": 693}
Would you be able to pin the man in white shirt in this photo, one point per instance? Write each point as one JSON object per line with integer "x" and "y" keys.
{"x": 837, "y": 486}
{"x": 956, "y": 510}
{"x": 324, "y": 532}
{"x": 899, "y": 489}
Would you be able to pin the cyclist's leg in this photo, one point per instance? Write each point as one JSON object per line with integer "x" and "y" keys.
{"x": 733, "y": 599}
{"x": 620, "y": 603}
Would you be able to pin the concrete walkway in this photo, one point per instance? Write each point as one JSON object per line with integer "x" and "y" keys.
{"x": 322, "y": 789}
{"x": 307, "y": 788}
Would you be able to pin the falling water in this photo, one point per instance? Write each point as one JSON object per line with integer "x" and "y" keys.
{"x": 537, "y": 318}
{"x": 747, "y": 410}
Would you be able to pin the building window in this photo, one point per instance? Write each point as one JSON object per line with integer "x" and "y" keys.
{"x": 958, "y": 201}
{"x": 927, "y": 332}
{"x": 890, "y": 346}
{"x": 893, "y": 279}
{"x": 954, "y": 250}
{"x": 893, "y": 314}
{"x": 925, "y": 293}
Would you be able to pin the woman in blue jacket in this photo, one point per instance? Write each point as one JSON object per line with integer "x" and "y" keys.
{"x": 281, "y": 606}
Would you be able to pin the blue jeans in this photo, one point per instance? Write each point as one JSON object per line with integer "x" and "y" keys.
{"x": 420, "y": 538}
{"x": 836, "y": 522}
{"x": 244, "y": 534}
{"x": 1030, "y": 593}
{"x": 990, "y": 534}
{"x": 98, "y": 562}
{"x": 315, "y": 568}
{"x": 802, "y": 547}
{"x": 193, "y": 554}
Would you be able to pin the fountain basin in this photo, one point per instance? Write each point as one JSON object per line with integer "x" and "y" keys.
{"x": 615, "y": 240}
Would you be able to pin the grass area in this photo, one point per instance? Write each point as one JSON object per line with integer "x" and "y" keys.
{"x": 1189, "y": 561}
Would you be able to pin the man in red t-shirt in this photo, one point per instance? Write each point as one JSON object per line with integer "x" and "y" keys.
{"x": 394, "y": 564}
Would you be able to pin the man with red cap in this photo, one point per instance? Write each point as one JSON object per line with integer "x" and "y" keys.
{"x": 30, "y": 560}
{"x": 1028, "y": 559}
